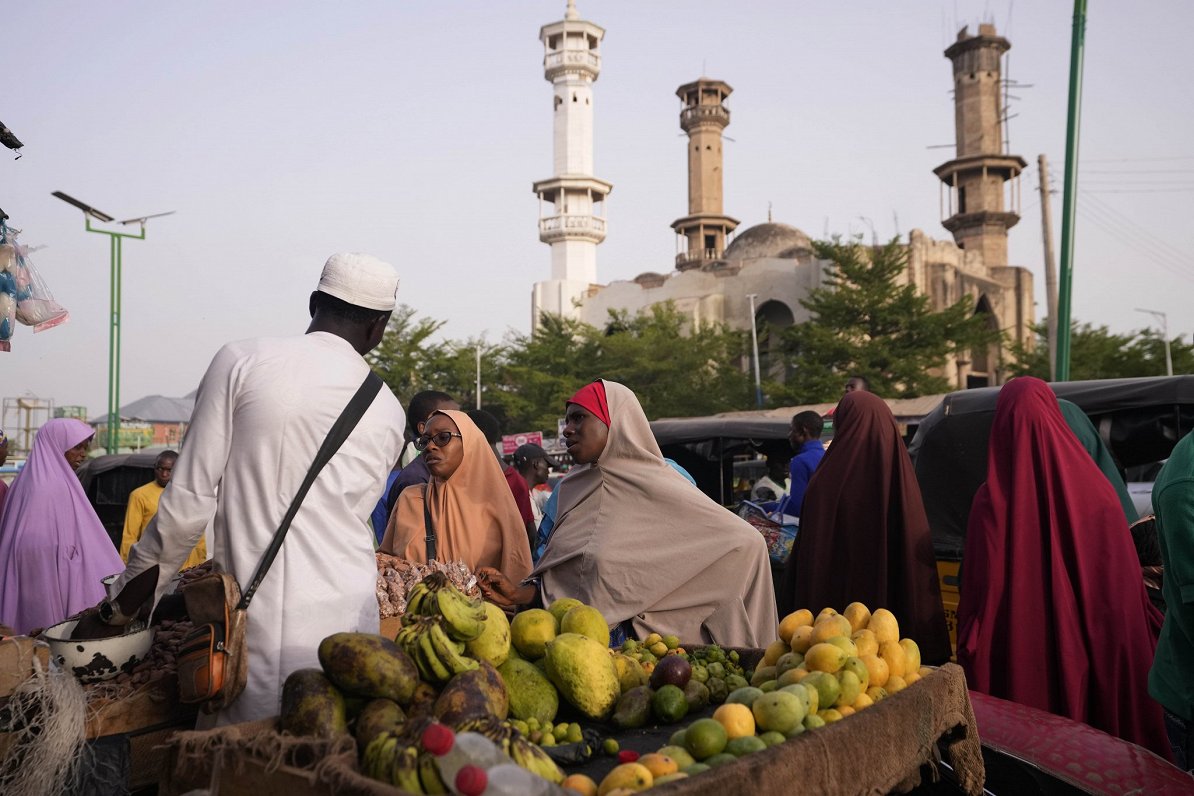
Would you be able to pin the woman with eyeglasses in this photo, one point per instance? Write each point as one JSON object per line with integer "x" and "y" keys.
{"x": 636, "y": 540}
{"x": 466, "y": 510}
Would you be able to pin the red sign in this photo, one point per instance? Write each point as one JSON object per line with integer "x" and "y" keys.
{"x": 510, "y": 442}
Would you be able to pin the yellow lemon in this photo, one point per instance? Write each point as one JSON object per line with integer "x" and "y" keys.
{"x": 863, "y": 701}
{"x": 774, "y": 650}
{"x": 858, "y": 615}
{"x": 824, "y": 658}
{"x": 631, "y": 776}
{"x": 878, "y": 670}
{"x": 651, "y": 639}
{"x": 829, "y": 626}
{"x": 844, "y": 710}
{"x": 895, "y": 684}
{"x": 659, "y": 765}
{"x": 911, "y": 677}
{"x": 911, "y": 654}
{"x": 802, "y": 639}
{"x": 738, "y": 720}
{"x": 580, "y": 783}
{"x": 866, "y": 642}
{"x": 884, "y": 625}
{"x": 893, "y": 654}
{"x": 831, "y": 715}
{"x": 925, "y": 671}
{"x": 789, "y": 623}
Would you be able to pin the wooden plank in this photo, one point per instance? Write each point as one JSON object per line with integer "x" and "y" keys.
{"x": 151, "y": 705}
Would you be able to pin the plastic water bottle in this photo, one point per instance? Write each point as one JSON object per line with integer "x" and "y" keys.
{"x": 472, "y": 765}
{"x": 454, "y": 751}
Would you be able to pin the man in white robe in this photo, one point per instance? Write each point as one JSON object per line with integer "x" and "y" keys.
{"x": 262, "y": 411}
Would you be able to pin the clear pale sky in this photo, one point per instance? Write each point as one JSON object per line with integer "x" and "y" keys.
{"x": 284, "y": 131}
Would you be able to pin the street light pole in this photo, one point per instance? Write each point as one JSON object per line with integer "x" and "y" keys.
{"x": 115, "y": 248}
{"x": 1165, "y": 332}
{"x": 754, "y": 339}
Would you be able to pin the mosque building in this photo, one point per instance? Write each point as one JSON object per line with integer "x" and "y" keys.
{"x": 718, "y": 269}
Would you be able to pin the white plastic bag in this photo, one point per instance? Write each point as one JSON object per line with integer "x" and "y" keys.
{"x": 35, "y": 304}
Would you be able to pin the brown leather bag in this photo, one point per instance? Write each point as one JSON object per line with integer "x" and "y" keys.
{"x": 213, "y": 660}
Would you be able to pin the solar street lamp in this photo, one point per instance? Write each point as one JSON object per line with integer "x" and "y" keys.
{"x": 115, "y": 247}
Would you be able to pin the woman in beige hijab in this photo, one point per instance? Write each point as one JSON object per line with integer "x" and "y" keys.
{"x": 637, "y": 541}
{"x": 467, "y": 504}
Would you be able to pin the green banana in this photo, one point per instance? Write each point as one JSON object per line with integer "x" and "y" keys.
{"x": 386, "y": 755}
{"x": 372, "y": 751}
{"x": 535, "y": 760}
{"x": 464, "y": 622}
{"x": 447, "y": 652}
{"x": 405, "y": 774}
{"x": 430, "y": 658}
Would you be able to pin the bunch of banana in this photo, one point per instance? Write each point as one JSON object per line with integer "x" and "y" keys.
{"x": 394, "y": 760}
{"x": 436, "y": 596}
{"x": 515, "y": 745}
{"x": 425, "y": 639}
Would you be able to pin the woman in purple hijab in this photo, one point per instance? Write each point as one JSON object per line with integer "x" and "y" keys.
{"x": 53, "y": 549}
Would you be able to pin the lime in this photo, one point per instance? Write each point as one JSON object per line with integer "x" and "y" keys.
{"x": 669, "y": 704}
{"x": 745, "y": 745}
{"x": 773, "y": 738}
{"x": 720, "y": 760}
{"x": 610, "y": 746}
{"x": 677, "y": 738}
{"x": 705, "y": 738}
{"x": 695, "y": 768}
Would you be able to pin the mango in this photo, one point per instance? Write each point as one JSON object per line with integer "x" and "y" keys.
{"x": 584, "y": 673}
{"x": 493, "y": 644}
{"x": 633, "y": 709}
{"x": 478, "y": 692}
{"x": 312, "y": 706}
{"x": 378, "y": 716}
{"x": 368, "y": 665}
{"x": 530, "y": 693}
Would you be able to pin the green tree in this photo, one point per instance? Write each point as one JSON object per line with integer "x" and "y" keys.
{"x": 1098, "y": 353}
{"x": 405, "y": 355}
{"x": 543, "y": 368}
{"x": 869, "y": 320}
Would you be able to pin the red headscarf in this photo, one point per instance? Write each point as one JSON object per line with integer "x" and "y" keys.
{"x": 863, "y": 533}
{"x": 1053, "y": 611}
{"x": 592, "y": 398}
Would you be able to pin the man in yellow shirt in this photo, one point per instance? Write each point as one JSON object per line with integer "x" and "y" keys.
{"x": 143, "y": 504}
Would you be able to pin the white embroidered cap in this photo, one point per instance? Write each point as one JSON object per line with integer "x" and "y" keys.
{"x": 361, "y": 280}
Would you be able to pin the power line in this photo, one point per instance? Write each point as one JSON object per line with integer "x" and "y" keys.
{"x": 1137, "y": 160}
{"x": 1135, "y": 237}
{"x": 1116, "y": 214}
{"x": 1136, "y": 171}
{"x": 1145, "y": 190}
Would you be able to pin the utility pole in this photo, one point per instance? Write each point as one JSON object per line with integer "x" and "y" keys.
{"x": 1050, "y": 265}
{"x": 1070, "y": 193}
{"x": 1164, "y": 333}
{"x": 754, "y": 340}
{"x": 478, "y": 374}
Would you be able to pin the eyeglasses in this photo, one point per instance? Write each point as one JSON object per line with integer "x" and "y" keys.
{"x": 440, "y": 439}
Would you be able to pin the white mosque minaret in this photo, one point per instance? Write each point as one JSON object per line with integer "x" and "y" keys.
{"x": 571, "y": 203}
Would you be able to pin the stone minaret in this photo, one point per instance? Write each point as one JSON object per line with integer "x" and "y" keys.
{"x": 979, "y": 214}
{"x": 702, "y": 233}
{"x": 571, "y": 204}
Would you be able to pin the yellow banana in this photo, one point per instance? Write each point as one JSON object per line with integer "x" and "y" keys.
{"x": 405, "y": 773}
{"x": 429, "y": 776}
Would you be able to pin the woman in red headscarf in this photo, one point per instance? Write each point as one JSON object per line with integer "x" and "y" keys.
{"x": 1053, "y": 613}
{"x": 864, "y": 535}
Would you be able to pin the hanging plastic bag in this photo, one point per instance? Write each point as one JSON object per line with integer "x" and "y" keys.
{"x": 35, "y": 304}
{"x": 9, "y": 292}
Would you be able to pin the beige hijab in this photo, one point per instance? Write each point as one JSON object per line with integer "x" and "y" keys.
{"x": 473, "y": 513}
{"x": 636, "y": 540}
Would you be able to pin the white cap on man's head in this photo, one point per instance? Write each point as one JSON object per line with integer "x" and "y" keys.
{"x": 361, "y": 280}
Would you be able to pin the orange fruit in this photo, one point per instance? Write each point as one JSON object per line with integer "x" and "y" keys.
{"x": 659, "y": 765}
{"x": 580, "y": 783}
{"x": 789, "y": 623}
{"x": 738, "y": 720}
{"x": 630, "y": 776}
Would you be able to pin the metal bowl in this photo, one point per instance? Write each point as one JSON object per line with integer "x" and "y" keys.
{"x": 97, "y": 659}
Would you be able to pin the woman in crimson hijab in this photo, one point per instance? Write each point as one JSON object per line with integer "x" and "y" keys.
{"x": 863, "y": 533}
{"x": 1053, "y": 613}
{"x": 53, "y": 548}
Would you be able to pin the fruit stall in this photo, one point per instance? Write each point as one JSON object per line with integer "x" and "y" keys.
{"x": 838, "y": 703}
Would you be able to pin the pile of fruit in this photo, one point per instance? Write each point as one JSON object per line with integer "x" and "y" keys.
{"x": 820, "y": 670}
{"x": 396, "y": 578}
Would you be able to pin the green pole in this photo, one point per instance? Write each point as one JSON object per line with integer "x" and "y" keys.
{"x": 1070, "y": 198}
{"x": 115, "y": 278}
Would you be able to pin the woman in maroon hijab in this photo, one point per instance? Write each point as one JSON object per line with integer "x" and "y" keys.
{"x": 1053, "y": 613}
{"x": 863, "y": 533}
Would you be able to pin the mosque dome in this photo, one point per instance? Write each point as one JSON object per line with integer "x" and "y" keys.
{"x": 768, "y": 241}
